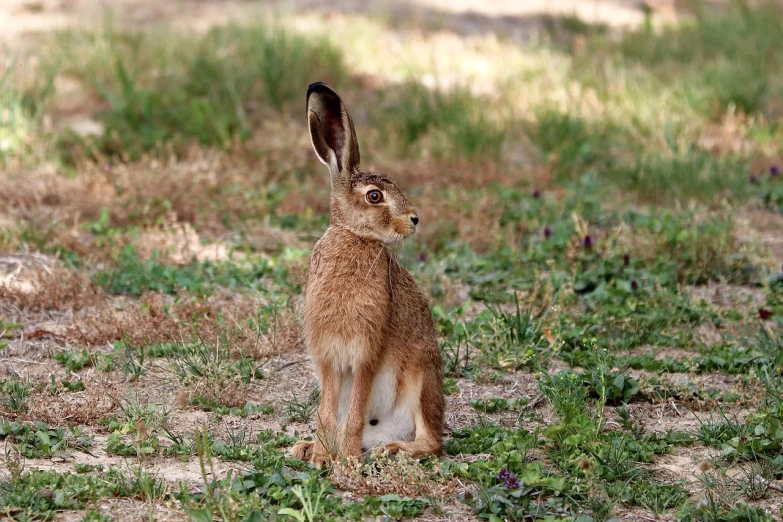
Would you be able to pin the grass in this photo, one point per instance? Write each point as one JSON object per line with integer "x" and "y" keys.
{"x": 133, "y": 276}
{"x": 599, "y": 209}
{"x": 302, "y": 410}
{"x": 15, "y": 394}
{"x": 441, "y": 122}
{"x": 21, "y": 111}
{"x": 211, "y": 88}
{"x": 726, "y": 49}
{"x": 38, "y": 440}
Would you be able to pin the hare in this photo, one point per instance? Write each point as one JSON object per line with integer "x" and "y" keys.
{"x": 367, "y": 323}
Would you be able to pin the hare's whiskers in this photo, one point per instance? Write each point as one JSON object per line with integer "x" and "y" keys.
{"x": 373, "y": 262}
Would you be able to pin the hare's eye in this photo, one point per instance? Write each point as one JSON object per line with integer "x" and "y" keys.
{"x": 374, "y": 197}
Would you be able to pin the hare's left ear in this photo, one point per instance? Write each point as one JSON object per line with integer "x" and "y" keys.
{"x": 332, "y": 132}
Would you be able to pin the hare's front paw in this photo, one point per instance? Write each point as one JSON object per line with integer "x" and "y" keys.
{"x": 310, "y": 451}
{"x": 302, "y": 450}
{"x": 319, "y": 455}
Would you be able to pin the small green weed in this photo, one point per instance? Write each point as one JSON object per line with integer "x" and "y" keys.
{"x": 73, "y": 360}
{"x": 495, "y": 404}
{"x": 7, "y": 330}
{"x": 509, "y": 449}
{"x": 136, "y": 433}
{"x": 657, "y": 498}
{"x": 206, "y": 404}
{"x": 759, "y": 436}
{"x": 38, "y": 440}
{"x": 510, "y": 497}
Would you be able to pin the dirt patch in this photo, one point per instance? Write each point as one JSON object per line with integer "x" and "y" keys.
{"x": 729, "y": 297}
{"x": 129, "y": 509}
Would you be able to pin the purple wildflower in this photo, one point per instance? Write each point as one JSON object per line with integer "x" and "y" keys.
{"x": 764, "y": 314}
{"x": 422, "y": 257}
{"x": 468, "y": 495}
{"x": 107, "y": 167}
{"x": 512, "y": 482}
{"x": 504, "y": 474}
{"x": 634, "y": 285}
{"x": 774, "y": 170}
{"x": 626, "y": 259}
{"x": 536, "y": 194}
{"x": 547, "y": 232}
{"x": 587, "y": 242}
{"x": 743, "y": 439}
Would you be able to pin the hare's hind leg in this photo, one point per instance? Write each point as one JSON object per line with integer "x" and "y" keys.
{"x": 425, "y": 443}
{"x": 428, "y": 418}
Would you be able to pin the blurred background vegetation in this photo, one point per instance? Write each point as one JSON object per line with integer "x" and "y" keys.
{"x": 599, "y": 183}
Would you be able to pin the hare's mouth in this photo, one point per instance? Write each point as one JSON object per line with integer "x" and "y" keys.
{"x": 402, "y": 230}
{"x": 395, "y": 238}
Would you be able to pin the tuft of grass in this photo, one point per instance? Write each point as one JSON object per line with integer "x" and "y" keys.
{"x": 508, "y": 338}
{"x": 682, "y": 176}
{"x": 301, "y": 410}
{"x": 21, "y": 112}
{"x": 757, "y": 437}
{"x": 15, "y": 124}
{"x": 573, "y": 143}
{"x": 207, "y": 404}
{"x": 14, "y": 394}
{"x": 661, "y": 175}
{"x": 215, "y": 371}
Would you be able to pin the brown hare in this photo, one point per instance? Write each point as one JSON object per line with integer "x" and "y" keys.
{"x": 367, "y": 323}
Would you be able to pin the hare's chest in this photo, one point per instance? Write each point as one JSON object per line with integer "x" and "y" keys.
{"x": 346, "y": 311}
{"x": 342, "y": 354}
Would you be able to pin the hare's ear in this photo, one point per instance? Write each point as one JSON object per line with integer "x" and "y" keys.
{"x": 331, "y": 131}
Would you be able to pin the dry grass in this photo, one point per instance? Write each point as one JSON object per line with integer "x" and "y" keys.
{"x": 232, "y": 393}
{"x": 81, "y": 408}
{"x": 400, "y": 474}
{"x": 55, "y": 288}
{"x": 200, "y": 187}
{"x": 157, "y": 319}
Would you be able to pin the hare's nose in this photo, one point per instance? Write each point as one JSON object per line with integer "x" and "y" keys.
{"x": 415, "y": 220}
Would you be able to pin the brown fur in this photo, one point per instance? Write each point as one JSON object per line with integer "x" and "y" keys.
{"x": 362, "y": 310}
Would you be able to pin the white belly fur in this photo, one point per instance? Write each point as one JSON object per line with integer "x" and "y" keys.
{"x": 394, "y": 422}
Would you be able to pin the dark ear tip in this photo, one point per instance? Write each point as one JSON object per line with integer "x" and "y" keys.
{"x": 319, "y": 87}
